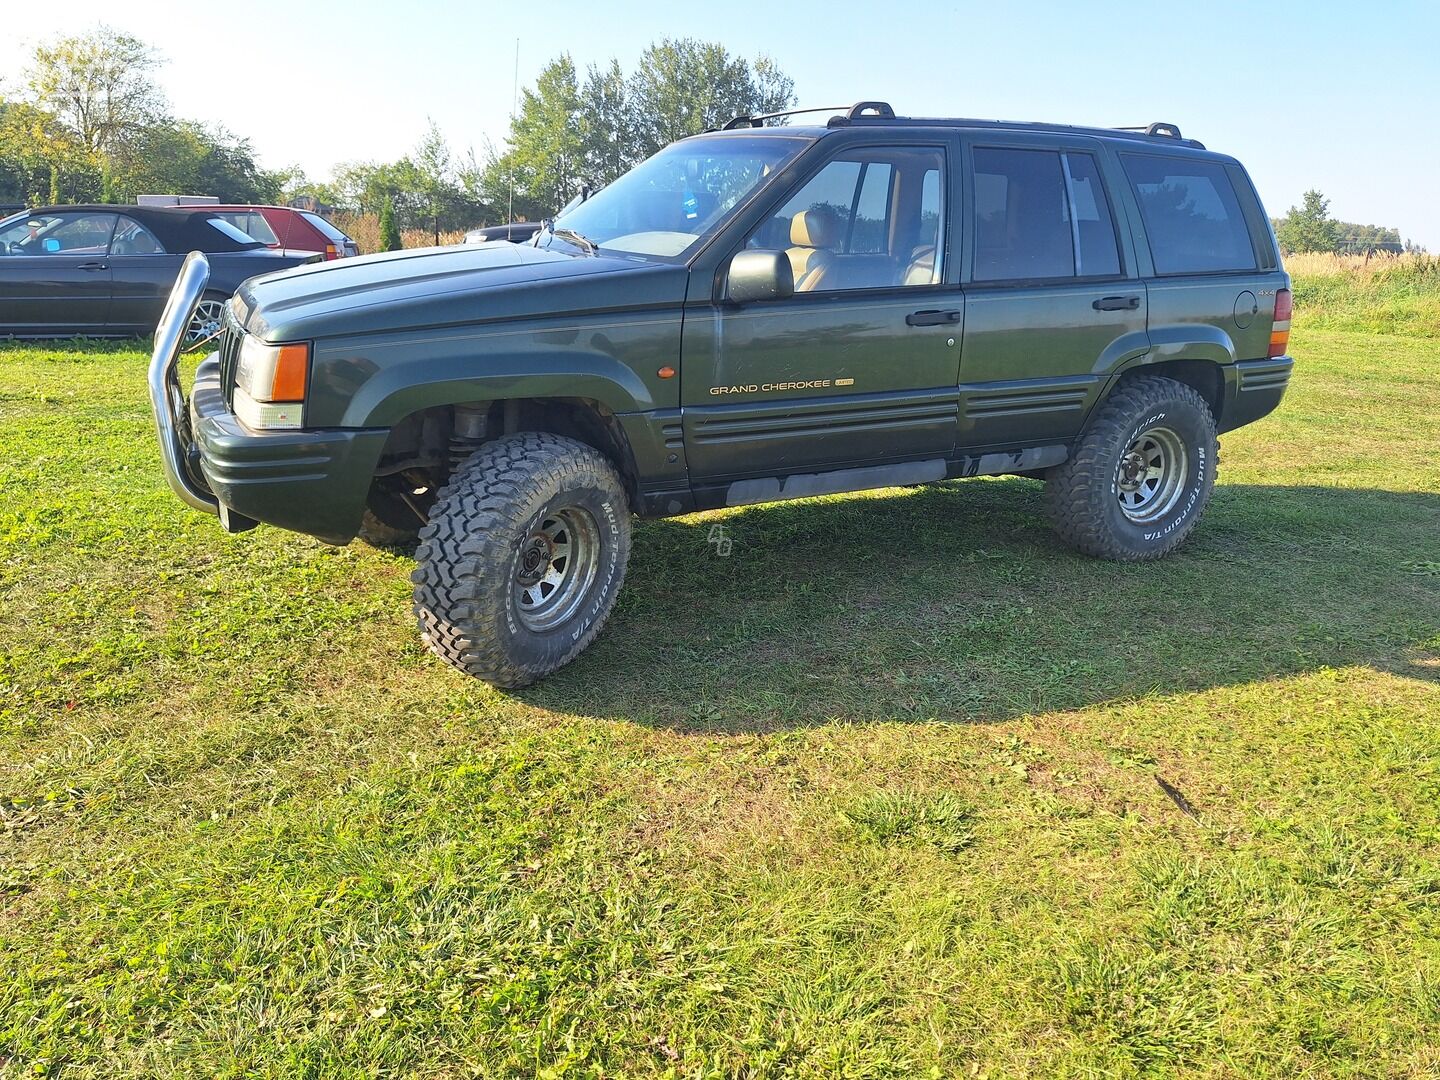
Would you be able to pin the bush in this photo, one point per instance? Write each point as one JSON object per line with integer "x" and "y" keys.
{"x": 389, "y": 233}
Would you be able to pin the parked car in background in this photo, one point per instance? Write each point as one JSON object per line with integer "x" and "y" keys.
{"x": 287, "y": 227}
{"x": 517, "y": 232}
{"x": 105, "y": 271}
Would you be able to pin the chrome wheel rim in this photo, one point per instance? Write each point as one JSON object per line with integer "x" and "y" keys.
{"x": 555, "y": 567}
{"x": 1151, "y": 475}
{"x": 206, "y": 322}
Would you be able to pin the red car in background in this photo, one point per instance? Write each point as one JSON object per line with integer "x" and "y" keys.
{"x": 287, "y": 227}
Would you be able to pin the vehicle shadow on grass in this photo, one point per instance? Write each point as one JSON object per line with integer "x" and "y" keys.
{"x": 956, "y": 603}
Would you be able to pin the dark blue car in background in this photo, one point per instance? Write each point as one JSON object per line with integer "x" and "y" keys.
{"x": 105, "y": 271}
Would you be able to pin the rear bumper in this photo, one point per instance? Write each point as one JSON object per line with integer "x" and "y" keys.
{"x": 1254, "y": 388}
{"x": 312, "y": 482}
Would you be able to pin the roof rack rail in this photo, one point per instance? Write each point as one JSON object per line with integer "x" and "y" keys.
{"x": 1169, "y": 131}
{"x": 759, "y": 120}
{"x": 879, "y": 108}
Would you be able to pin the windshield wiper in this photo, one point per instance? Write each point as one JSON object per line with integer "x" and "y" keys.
{"x": 578, "y": 239}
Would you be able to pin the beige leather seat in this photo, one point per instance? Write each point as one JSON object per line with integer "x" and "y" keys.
{"x": 921, "y": 270}
{"x": 814, "y": 234}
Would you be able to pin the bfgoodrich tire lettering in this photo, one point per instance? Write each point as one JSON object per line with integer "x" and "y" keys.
{"x": 482, "y": 558}
{"x": 1101, "y": 500}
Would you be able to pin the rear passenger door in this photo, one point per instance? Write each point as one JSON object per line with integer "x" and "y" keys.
{"x": 1053, "y": 300}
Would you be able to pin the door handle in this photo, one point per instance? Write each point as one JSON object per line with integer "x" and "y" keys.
{"x": 932, "y": 317}
{"x": 94, "y": 266}
{"x": 1117, "y": 303}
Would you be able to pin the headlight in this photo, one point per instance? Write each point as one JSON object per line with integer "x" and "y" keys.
{"x": 270, "y": 383}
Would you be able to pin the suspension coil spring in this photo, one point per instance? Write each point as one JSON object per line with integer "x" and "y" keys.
{"x": 471, "y": 428}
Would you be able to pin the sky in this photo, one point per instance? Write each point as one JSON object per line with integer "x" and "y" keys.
{"x": 1323, "y": 94}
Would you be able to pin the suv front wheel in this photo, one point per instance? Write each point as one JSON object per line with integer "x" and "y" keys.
{"x": 1141, "y": 474}
{"x": 522, "y": 558}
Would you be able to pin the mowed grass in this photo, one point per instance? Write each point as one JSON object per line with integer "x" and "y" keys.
{"x": 901, "y": 787}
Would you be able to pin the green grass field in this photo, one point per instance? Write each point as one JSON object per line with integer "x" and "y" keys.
{"x": 880, "y": 794}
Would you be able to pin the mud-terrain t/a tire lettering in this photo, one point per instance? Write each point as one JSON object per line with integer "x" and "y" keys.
{"x": 523, "y": 557}
{"x": 1140, "y": 476}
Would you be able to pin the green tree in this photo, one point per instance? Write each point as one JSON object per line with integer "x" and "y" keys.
{"x": 683, "y": 86}
{"x": 36, "y": 147}
{"x": 566, "y": 134}
{"x": 389, "y": 231}
{"x": 607, "y": 128}
{"x": 1309, "y": 227}
{"x": 540, "y": 169}
{"x": 99, "y": 83}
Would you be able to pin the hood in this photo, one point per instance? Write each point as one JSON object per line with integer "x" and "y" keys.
{"x": 432, "y": 287}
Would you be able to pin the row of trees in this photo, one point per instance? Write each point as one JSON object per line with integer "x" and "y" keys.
{"x": 1309, "y": 227}
{"x": 568, "y": 132}
{"x": 90, "y": 124}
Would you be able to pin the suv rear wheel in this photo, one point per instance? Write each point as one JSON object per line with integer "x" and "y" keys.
{"x": 1141, "y": 474}
{"x": 522, "y": 559}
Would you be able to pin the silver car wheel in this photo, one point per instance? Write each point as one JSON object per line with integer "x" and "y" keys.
{"x": 1151, "y": 475}
{"x": 206, "y": 322}
{"x": 556, "y": 568}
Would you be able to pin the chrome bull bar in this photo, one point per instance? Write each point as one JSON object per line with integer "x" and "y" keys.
{"x": 167, "y": 400}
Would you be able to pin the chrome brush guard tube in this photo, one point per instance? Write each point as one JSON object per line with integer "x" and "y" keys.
{"x": 167, "y": 400}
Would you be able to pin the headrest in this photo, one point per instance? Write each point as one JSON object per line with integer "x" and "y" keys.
{"x": 818, "y": 228}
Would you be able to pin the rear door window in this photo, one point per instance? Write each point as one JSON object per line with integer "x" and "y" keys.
{"x": 1022, "y": 224}
{"x": 1041, "y": 215}
{"x": 1192, "y": 218}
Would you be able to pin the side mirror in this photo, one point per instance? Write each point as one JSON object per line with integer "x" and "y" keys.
{"x": 760, "y": 275}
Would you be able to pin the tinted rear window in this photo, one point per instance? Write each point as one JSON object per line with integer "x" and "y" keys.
{"x": 1192, "y": 217}
{"x": 1022, "y": 219}
{"x": 250, "y": 223}
{"x": 331, "y": 233}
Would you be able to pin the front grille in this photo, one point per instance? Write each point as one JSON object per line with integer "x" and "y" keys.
{"x": 229, "y": 354}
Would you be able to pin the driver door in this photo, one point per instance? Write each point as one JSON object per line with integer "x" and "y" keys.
{"x": 55, "y": 274}
{"x": 859, "y": 368}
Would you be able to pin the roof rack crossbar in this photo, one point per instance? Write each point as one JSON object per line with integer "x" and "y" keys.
{"x": 1169, "y": 131}
{"x": 880, "y": 109}
{"x": 759, "y": 120}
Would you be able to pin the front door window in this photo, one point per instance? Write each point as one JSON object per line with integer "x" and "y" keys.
{"x": 869, "y": 219}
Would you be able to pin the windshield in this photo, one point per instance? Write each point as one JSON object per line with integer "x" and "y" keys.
{"x": 667, "y": 204}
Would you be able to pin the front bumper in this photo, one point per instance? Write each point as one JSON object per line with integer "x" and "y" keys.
{"x": 313, "y": 482}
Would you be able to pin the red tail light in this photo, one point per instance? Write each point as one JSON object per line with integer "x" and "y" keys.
{"x": 330, "y": 252}
{"x": 1280, "y": 328}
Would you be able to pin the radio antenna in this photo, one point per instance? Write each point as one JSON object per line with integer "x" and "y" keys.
{"x": 514, "y": 104}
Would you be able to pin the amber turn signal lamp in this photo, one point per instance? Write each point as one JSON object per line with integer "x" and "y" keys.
{"x": 292, "y": 366}
{"x": 666, "y": 372}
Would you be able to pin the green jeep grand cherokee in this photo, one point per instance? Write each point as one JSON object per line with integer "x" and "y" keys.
{"x": 756, "y": 313}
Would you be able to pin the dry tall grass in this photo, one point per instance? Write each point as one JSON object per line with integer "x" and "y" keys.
{"x": 364, "y": 229}
{"x": 1396, "y": 294}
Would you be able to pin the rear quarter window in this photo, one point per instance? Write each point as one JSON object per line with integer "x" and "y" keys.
{"x": 1192, "y": 217}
